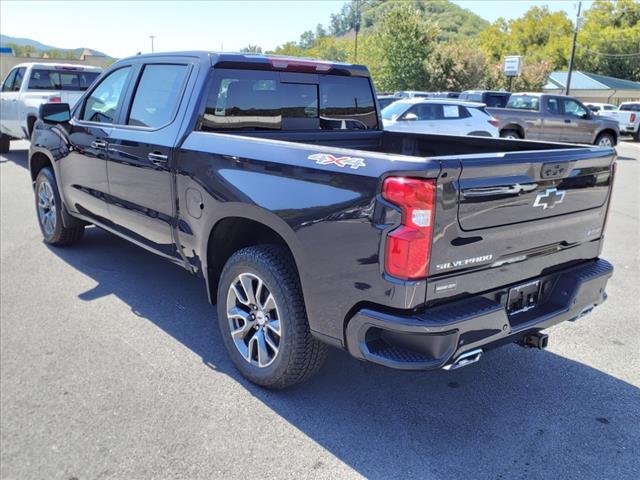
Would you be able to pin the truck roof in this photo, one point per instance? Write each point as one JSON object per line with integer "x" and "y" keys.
{"x": 263, "y": 61}
{"x": 65, "y": 66}
{"x": 449, "y": 101}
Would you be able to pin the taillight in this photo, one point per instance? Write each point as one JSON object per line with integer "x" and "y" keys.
{"x": 408, "y": 246}
{"x": 55, "y": 100}
{"x": 495, "y": 122}
{"x": 614, "y": 166}
{"x": 632, "y": 117}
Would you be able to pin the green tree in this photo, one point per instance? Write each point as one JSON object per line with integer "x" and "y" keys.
{"x": 251, "y": 49}
{"x": 457, "y": 67}
{"x": 398, "y": 46}
{"x": 609, "y": 40}
{"x": 539, "y": 35}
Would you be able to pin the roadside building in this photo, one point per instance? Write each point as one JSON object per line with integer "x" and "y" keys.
{"x": 589, "y": 87}
{"x": 88, "y": 58}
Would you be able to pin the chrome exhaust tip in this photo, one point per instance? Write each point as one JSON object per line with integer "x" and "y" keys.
{"x": 467, "y": 358}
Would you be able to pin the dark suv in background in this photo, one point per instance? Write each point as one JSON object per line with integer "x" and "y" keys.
{"x": 488, "y": 97}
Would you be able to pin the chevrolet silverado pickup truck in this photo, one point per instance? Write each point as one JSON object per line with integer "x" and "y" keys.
{"x": 627, "y": 116}
{"x": 557, "y": 118}
{"x": 272, "y": 179}
{"x": 29, "y": 85}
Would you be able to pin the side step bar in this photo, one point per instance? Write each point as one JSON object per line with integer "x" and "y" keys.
{"x": 467, "y": 358}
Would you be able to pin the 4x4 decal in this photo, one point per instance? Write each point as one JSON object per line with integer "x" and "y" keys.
{"x": 328, "y": 159}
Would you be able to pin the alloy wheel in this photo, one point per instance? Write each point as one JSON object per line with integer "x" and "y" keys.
{"x": 254, "y": 320}
{"x": 47, "y": 207}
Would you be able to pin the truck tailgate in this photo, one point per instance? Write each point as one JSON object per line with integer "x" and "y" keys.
{"x": 504, "y": 218}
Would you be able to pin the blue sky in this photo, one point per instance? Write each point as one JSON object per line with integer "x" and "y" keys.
{"x": 121, "y": 28}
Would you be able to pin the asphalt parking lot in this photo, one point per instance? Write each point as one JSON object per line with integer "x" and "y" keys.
{"x": 112, "y": 367}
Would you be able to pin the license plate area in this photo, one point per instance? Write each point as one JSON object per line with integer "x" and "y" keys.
{"x": 523, "y": 297}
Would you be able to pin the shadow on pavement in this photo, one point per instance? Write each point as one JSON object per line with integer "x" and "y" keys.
{"x": 517, "y": 414}
{"x": 19, "y": 156}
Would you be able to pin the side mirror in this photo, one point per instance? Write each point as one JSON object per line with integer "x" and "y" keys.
{"x": 410, "y": 117}
{"x": 54, "y": 112}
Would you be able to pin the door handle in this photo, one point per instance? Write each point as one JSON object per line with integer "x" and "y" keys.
{"x": 99, "y": 144}
{"x": 515, "y": 189}
{"x": 567, "y": 121}
{"x": 158, "y": 158}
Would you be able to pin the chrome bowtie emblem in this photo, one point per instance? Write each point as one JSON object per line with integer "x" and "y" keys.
{"x": 549, "y": 198}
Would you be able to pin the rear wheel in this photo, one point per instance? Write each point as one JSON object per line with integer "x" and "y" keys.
{"x": 262, "y": 318}
{"x": 49, "y": 207}
{"x": 636, "y": 136}
{"x": 512, "y": 134}
{"x": 605, "y": 140}
{"x": 5, "y": 143}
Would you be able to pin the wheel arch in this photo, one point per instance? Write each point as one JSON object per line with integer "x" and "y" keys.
{"x": 234, "y": 232}
{"x": 515, "y": 127}
{"x": 609, "y": 131}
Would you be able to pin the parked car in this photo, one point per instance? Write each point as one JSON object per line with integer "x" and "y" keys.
{"x": 408, "y": 250}
{"x": 385, "y": 100}
{"x": 598, "y": 107}
{"x": 628, "y": 117}
{"x": 488, "y": 97}
{"x": 29, "y": 85}
{"x": 444, "y": 95}
{"x": 412, "y": 94}
{"x": 445, "y": 117}
{"x": 559, "y": 118}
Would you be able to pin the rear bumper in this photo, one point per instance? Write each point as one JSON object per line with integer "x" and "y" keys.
{"x": 438, "y": 336}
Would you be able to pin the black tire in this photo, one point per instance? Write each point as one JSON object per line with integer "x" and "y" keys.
{"x": 53, "y": 230}
{"x": 636, "y": 136}
{"x": 514, "y": 134}
{"x": 605, "y": 137}
{"x": 5, "y": 143}
{"x": 299, "y": 354}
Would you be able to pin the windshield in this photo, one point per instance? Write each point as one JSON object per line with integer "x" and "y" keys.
{"x": 42, "y": 79}
{"x": 523, "y": 102}
{"x": 394, "y": 110}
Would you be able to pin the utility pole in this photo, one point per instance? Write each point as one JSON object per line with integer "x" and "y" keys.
{"x": 152, "y": 37}
{"x": 357, "y": 28}
{"x": 573, "y": 49}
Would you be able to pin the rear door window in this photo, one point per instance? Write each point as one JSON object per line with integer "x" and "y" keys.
{"x": 46, "y": 79}
{"x": 157, "y": 95}
{"x": 267, "y": 100}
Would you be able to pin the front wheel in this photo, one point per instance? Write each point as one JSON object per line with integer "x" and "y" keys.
{"x": 262, "y": 318}
{"x": 511, "y": 134}
{"x": 605, "y": 140}
{"x": 49, "y": 207}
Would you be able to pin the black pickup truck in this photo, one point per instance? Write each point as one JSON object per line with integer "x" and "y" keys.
{"x": 273, "y": 180}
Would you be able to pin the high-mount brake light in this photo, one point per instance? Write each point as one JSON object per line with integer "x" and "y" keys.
{"x": 408, "y": 247}
{"x": 298, "y": 65}
{"x": 55, "y": 100}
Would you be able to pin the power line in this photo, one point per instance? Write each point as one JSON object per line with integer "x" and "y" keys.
{"x": 620, "y": 55}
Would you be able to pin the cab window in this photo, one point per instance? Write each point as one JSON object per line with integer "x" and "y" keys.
{"x": 103, "y": 103}
{"x": 157, "y": 95}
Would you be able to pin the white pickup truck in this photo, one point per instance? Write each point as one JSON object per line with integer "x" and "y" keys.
{"x": 29, "y": 85}
{"x": 628, "y": 116}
